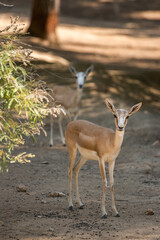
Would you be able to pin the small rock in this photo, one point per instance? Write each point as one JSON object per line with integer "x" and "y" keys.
{"x": 43, "y": 201}
{"x": 157, "y": 154}
{"x": 149, "y": 212}
{"x": 1, "y": 223}
{"x": 57, "y": 194}
{"x": 45, "y": 162}
{"x": 156, "y": 143}
{"x": 31, "y": 193}
{"x": 21, "y": 188}
{"x": 51, "y": 229}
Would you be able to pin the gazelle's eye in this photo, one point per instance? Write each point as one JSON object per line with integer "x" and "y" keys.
{"x": 115, "y": 116}
{"x": 127, "y": 117}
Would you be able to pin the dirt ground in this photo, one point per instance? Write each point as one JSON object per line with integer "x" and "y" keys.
{"x": 125, "y": 53}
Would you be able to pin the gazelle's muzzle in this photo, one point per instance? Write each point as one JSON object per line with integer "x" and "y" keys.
{"x": 120, "y": 128}
{"x": 121, "y": 124}
{"x": 80, "y": 86}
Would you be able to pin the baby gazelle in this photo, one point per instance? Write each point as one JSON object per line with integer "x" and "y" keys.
{"x": 69, "y": 99}
{"x": 97, "y": 143}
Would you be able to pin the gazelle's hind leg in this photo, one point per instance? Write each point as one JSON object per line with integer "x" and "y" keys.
{"x": 61, "y": 130}
{"x": 76, "y": 169}
{"x": 72, "y": 157}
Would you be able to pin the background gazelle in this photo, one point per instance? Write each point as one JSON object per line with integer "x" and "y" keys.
{"x": 69, "y": 99}
{"x": 96, "y": 143}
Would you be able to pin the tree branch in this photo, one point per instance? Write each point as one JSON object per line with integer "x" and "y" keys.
{"x": 6, "y": 5}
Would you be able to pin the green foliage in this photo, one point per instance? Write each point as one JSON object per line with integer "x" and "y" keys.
{"x": 23, "y": 100}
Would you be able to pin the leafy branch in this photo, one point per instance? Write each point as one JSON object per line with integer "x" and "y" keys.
{"x": 24, "y": 101}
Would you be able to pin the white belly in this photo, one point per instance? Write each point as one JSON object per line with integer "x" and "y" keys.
{"x": 88, "y": 154}
{"x": 92, "y": 155}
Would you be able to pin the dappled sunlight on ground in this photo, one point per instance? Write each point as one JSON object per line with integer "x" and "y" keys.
{"x": 147, "y": 15}
{"x": 126, "y": 46}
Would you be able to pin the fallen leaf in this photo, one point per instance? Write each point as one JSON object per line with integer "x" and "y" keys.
{"x": 57, "y": 194}
{"x": 1, "y": 223}
{"x": 43, "y": 201}
{"x": 149, "y": 212}
{"x": 21, "y": 188}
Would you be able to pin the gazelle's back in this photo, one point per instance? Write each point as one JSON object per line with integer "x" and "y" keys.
{"x": 87, "y": 128}
{"x": 87, "y": 135}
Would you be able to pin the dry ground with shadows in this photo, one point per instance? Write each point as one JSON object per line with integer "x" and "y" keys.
{"x": 125, "y": 54}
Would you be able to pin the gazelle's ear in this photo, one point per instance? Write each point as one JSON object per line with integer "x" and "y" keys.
{"x": 135, "y": 108}
{"x": 89, "y": 70}
{"x": 72, "y": 70}
{"x": 110, "y": 106}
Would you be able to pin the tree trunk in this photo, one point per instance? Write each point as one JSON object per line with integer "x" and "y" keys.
{"x": 44, "y": 19}
{"x": 116, "y": 8}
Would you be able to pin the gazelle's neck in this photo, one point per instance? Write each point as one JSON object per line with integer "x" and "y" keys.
{"x": 79, "y": 94}
{"x": 118, "y": 139}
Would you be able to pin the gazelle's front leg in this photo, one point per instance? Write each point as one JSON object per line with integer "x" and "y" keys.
{"x": 76, "y": 169}
{"x": 72, "y": 157}
{"x": 76, "y": 115}
{"x": 104, "y": 182}
{"x": 68, "y": 115}
{"x": 51, "y": 131}
{"x": 111, "y": 169}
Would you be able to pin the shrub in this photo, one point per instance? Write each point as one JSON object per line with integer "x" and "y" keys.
{"x": 24, "y": 101}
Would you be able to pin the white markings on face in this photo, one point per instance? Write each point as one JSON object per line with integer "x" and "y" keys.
{"x": 121, "y": 119}
{"x": 81, "y": 76}
{"x": 121, "y": 115}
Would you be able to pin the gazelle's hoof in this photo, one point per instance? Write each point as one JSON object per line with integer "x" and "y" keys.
{"x": 71, "y": 208}
{"x": 64, "y": 145}
{"x": 117, "y": 215}
{"x": 105, "y": 215}
{"x": 51, "y": 145}
{"x": 81, "y": 207}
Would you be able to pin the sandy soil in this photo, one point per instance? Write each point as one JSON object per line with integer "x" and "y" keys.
{"x": 125, "y": 54}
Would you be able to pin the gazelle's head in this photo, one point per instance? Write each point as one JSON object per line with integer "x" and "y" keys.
{"x": 121, "y": 115}
{"x": 80, "y": 76}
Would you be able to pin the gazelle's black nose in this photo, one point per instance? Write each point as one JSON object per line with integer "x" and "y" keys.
{"x": 120, "y": 128}
{"x": 80, "y": 86}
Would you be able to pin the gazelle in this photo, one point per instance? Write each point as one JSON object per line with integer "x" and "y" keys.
{"x": 69, "y": 99}
{"x": 96, "y": 143}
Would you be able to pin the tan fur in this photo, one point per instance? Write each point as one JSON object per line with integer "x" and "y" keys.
{"x": 69, "y": 99}
{"x": 90, "y": 136}
{"x": 96, "y": 143}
